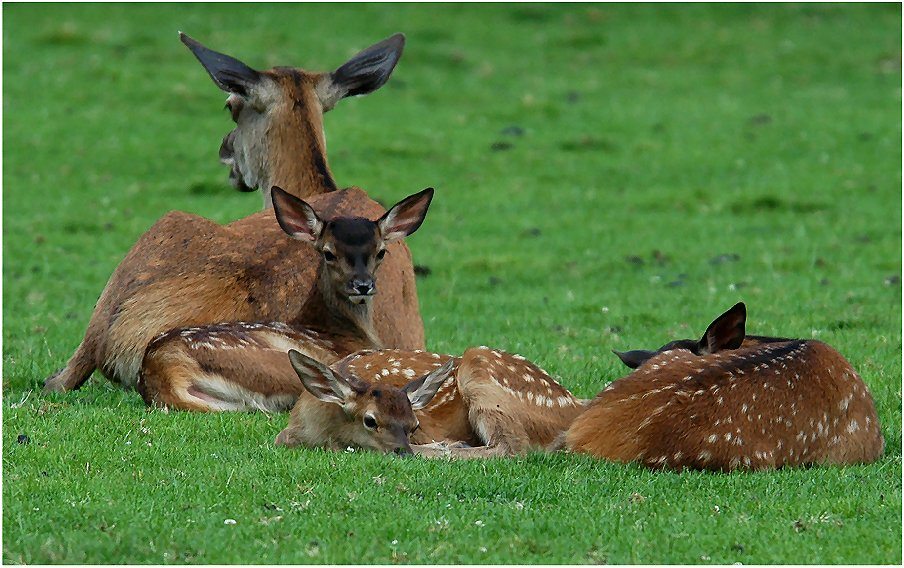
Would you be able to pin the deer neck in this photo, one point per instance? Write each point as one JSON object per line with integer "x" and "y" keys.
{"x": 297, "y": 154}
{"x": 334, "y": 314}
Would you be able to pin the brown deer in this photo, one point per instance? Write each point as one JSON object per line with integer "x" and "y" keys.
{"x": 731, "y": 401}
{"x": 482, "y": 404}
{"x": 243, "y": 366}
{"x": 187, "y": 270}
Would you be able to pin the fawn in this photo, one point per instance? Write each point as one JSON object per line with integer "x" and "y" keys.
{"x": 242, "y": 365}
{"x": 482, "y": 404}
{"x": 187, "y": 270}
{"x": 731, "y": 401}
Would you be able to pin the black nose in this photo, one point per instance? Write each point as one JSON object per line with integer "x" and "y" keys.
{"x": 363, "y": 287}
{"x": 402, "y": 451}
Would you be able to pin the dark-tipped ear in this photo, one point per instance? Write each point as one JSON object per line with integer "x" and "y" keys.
{"x": 297, "y": 218}
{"x": 634, "y": 359}
{"x": 421, "y": 391}
{"x": 364, "y": 73}
{"x": 726, "y": 331}
{"x": 319, "y": 380}
{"x": 405, "y": 216}
{"x": 228, "y": 73}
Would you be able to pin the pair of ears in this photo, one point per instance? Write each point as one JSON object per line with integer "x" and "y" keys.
{"x": 300, "y": 221}
{"x": 320, "y": 381}
{"x": 725, "y": 332}
{"x": 364, "y": 73}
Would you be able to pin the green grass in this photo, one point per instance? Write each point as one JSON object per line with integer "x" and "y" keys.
{"x": 653, "y": 141}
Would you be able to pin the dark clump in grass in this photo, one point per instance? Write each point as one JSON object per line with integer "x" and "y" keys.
{"x": 662, "y": 164}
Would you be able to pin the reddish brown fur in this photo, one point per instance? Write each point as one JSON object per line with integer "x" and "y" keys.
{"x": 243, "y": 366}
{"x": 187, "y": 270}
{"x": 486, "y": 401}
{"x": 762, "y": 406}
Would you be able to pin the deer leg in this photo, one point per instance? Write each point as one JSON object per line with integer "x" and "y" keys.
{"x": 168, "y": 380}
{"x": 75, "y": 373}
{"x": 492, "y": 413}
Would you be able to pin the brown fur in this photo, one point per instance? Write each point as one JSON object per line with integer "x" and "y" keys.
{"x": 238, "y": 366}
{"x": 762, "y": 406}
{"x": 187, "y": 270}
{"x": 241, "y": 365}
{"x": 484, "y": 402}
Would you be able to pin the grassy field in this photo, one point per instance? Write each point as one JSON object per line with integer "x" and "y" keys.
{"x": 608, "y": 177}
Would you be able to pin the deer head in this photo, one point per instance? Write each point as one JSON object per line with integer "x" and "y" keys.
{"x": 278, "y": 114}
{"x": 376, "y": 416}
{"x": 351, "y": 248}
{"x": 725, "y": 332}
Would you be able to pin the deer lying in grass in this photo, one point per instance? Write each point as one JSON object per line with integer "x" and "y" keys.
{"x": 243, "y": 366}
{"x": 732, "y": 401}
{"x": 485, "y": 403}
{"x": 187, "y": 270}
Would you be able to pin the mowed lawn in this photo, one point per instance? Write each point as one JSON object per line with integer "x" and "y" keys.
{"x": 607, "y": 176}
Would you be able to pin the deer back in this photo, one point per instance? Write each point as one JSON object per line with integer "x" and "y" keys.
{"x": 761, "y": 406}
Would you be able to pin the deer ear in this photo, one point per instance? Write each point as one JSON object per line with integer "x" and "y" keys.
{"x": 726, "y": 331}
{"x": 228, "y": 73}
{"x": 421, "y": 391}
{"x": 634, "y": 359}
{"x": 405, "y": 216}
{"x": 297, "y": 218}
{"x": 319, "y": 380}
{"x": 362, "y": 74}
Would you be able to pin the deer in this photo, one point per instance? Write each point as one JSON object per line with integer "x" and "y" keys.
{"x": 243, "y": 365}
{"x": 187, "y": 270}
{"x": 730, "y": 401}
{"x": 485, "y": 403}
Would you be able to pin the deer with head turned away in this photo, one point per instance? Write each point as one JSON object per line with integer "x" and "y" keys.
{"x": 188, "y": 271}
{"x": 732, "y": 401}
{"x": 485, "y": 403}
{"x": 243, "y": 365}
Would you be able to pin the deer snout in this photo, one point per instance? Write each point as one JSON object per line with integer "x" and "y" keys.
{"x": 363, "y": 287}
{"x": 403, "y": 451}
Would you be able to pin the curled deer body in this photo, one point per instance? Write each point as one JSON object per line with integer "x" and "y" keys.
{"x": 188, "y": 271}
{"x": 243, "y": 365}
{"x": 731, "y": 401}
{"x": 482, "y": 404}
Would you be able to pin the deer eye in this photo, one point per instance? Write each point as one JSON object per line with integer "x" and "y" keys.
{"x": 328, "y": 256}
{"x": 381, "y": 254}
{"x": 370, "y": 422}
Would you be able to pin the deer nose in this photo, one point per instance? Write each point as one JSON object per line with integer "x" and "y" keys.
{"x": 364, "y": 287}
{"x": 403, "y": 451}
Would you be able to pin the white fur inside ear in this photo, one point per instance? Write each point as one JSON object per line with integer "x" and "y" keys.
{"x": 405, "y": 216}
{"x": 422, "y": 396}
{"x": 295, "y": 217}
{"x": 318, "y": 379}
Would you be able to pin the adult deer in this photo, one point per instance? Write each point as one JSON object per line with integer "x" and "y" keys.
{"x": 243, "y": 366}
{"x": 731, "y": 401}
{"x": 187, "y": 270}
{"x": 482, "y": 404}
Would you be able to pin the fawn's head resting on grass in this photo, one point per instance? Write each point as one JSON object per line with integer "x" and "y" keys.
{"x": 348, "y": 411}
